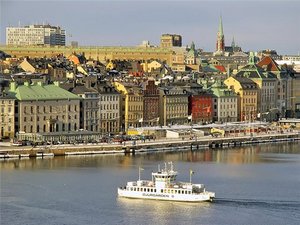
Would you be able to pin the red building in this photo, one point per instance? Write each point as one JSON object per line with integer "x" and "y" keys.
{"x": 201, "y": 107}
{"x": 151, "y": 103}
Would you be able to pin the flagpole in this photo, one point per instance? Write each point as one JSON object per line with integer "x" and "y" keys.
{"x": 140, "y": 172}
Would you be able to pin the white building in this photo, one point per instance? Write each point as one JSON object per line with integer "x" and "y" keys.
{"x": 35, "y": 35}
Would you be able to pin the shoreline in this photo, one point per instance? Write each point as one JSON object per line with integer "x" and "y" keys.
{"x": 205, "y": 142}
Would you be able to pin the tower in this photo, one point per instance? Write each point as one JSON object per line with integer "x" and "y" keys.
{"x": 220, "y": 46}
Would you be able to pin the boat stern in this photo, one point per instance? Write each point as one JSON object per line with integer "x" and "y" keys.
{"x": 211, "y": 195}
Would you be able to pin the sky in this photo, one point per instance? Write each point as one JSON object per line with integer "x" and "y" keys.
{"x": 255, "y": 25}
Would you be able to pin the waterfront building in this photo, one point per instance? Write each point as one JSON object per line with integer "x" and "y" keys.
{"x": 110, "y": 108}
{"x": 35, "y": 35}
{"x": 284, "y": 84}
{"x": 151, "y": 103}
{"x": 225, "y": 103}
{"x": 170, "y": 40}
{"x": 295, "y": 99}
{"x": 89, "y": 106}
{"x": 45, "y": 109}
{"x": 200, "y": 107}
{"x": 132, "y": 104}
{"x": 173, "y": 103}
{"x": 7, "y": 110}
{"x": 267, "y": 83}
{"x": 199, "y": 100}
{"x": 247, "y": 91}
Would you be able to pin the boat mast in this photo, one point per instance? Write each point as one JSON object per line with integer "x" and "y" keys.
{"x": 191, "y": 174}
{"x": 140, "y": 168}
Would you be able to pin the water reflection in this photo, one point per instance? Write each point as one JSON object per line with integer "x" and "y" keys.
{"x": 162, "y": 211}
{"x": 237, "y": 155}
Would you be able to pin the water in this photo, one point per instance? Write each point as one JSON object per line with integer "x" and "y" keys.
{"x": 253, "y": 185}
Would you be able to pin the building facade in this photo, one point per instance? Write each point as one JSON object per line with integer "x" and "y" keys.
{"x": 35, "y": 35}
{"x": 284, "y": 84}
{"x": 173, "y": 105}
{"x": 225, "y": 103}
{"x": 170, "y": 40}
{"x": 247, "y": 91}
{"x": 89, "y": 107}
{"x": 132, "y": 104}
{"x": 267, "y": 84}
{"x": 110, "y": 108}
{"x": 42, "y": 108}
{"x": 7, "y": 110}
{"x": 151, "y": 103}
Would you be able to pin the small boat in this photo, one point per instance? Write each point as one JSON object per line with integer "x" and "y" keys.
{"x": 164, "y": 186}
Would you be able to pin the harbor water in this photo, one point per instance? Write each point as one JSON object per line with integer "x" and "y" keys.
{"x": 253, "y": 184}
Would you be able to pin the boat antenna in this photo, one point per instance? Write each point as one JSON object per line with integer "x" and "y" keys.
{"x": 158, "y": 167}
{"x": 165, "y": 167}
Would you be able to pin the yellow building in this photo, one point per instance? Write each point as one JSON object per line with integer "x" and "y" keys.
{"x": 7, "y": 110}
{"x": 110, "y": 66}
{"x": 99, "y": 52}
{"x": 268, "y": 88}
{"x": 149, "y": 67}
{"x": 131, "y": 103}
{"x": 247, "y": 91}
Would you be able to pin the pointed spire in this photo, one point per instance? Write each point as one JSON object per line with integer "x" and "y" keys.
{"x": 233, "y": 42}
{"x": 221, "y": 27}
{"x": 193, "y": 46}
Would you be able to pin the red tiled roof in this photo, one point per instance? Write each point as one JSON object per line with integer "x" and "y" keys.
{"x": 220, "y": 68}
{"x": 268, "y": 64}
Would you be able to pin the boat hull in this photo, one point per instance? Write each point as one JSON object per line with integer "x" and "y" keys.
{"x": 202, "y": 197}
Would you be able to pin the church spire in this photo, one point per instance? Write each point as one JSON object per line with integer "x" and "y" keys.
{"x": 220, "y": 45}
{"x": 233, "y": 42}
{"x": 221, "y": 27}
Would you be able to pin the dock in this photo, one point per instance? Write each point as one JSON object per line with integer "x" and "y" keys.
{"x": 131, "y": 147}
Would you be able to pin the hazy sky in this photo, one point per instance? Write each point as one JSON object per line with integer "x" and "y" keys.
{"x": 255, "y": 25}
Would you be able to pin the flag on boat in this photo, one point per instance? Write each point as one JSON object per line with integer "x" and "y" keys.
{"x": 191, "y": 172}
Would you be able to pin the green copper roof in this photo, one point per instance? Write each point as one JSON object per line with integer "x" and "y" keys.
{"x": 219, "y": 89}
{"x": 40, "y": 92}
{"x": 221, "y": 26}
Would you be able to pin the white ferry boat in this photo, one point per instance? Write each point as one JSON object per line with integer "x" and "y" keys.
{"x": 164, "y": 186}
